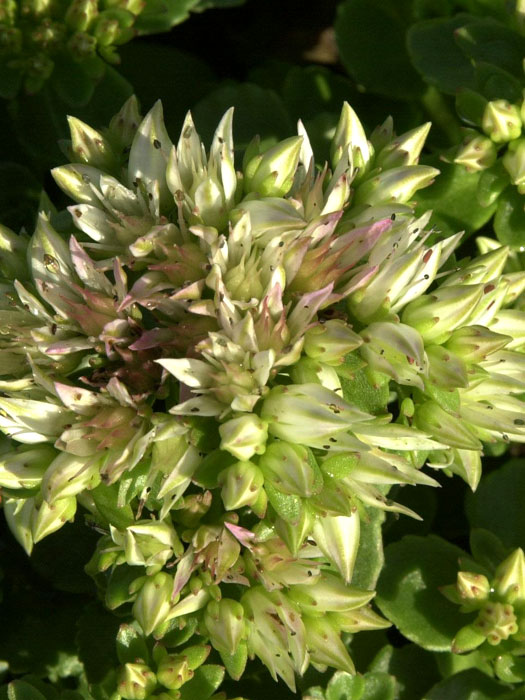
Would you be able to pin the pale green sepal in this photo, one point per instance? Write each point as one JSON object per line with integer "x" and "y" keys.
{"x": 18, "y": 514}
{"x": 49, "y": 518}
{"x": 397, "y": 185}
{"x": 403, "y": 150}
{"x": 153, "y": 602}
{"x": 148, "y": 157}
{"x": 338, "y": 539}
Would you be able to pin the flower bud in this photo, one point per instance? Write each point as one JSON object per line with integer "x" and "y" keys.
{"x": 509, "y": 579}
{"x": 305, "y": 413}
{"x": 244, "y": 436}
{"x": 403, "y": 150}
{"x": 325, "y": 645}
{"x": 25, "y": 467}
{"x": 501, "y": 121}
{"x": 50, "y": 517}
{"x": 18, "y": 514}
{"x": 396, "y": 185}
{"x": 472, "y": 588}
{"x": 241, "y": 485}
{"x": 291, "y": 469}
{"x": 338, "y": 539}
{"x": 467, "y": 639}
{"x": 271, "y": 175}
{"x": 149, "y": 543}
{"x": 396, "y": 350}
{"x": 329, "y": 342}
{"x": 476, "y": 152}
{"x": 328, "y": 593}
{"x": 294, "y": 534}
{"x": 445, "y": 369}
{"x": 69, "y": 475}
{"x": 153, "y": 602}
{"x": 308, "y": 371}
{"x": 124, "y": 124}
{"x": 82, "y": 45}
{"x": 474, "y": 344}
{"x": 496, "y": 621}
{"x": 436, "y": 315}
{"x": 80, "y": 14}
{"x": 136, "y": 681}
{"x": 114, "y": 26}
{"x": 173, "y": 671}
{"x": 514, "y": 162}
{"x": 443, "y": 426}
{"x": 89, "y": 146}
{"x": 350, "y": 139}
{"x": 224, "y": 620}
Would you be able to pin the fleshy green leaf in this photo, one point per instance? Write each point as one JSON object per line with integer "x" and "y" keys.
{"x": 371, "y": 41}
{"x": 408, "y": 590}
{"x": 497, "y": 504}
{"x": 431, "y": 38}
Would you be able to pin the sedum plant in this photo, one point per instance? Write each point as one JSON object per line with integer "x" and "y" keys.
{"x": 226, "y": 369}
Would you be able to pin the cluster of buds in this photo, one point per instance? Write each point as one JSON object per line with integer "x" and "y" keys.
{"x": 496, "y": 603}
{"x": 192, "y": 363}
{"x": 35, "y": 35}
{"x": 493, "y": 144}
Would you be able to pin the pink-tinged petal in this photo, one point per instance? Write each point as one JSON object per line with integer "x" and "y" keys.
{"x": 245, "y": 537}
{"x": 305, "y": 310}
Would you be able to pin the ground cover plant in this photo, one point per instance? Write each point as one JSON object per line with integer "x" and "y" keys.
{"x": 262, "y": 342}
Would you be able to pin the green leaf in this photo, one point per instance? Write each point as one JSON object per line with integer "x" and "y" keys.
{"x": 96, "y": 635}
{"x": 370, "y": 556}
{"x": 20, "y": 690}
{"x": 495, "y": 83}
{"x": 120, "y": 580}
{"x": 487, "y": 548}
{"x": 132, "y": 483}
{"x": 131, "y": 645}
{"x": 497, "y": 505}
{"x": 344, "y": 685}
{"x": 450, "y": 664}
{"x": 61, "y": 558}
{"x": 309, "y": 91}
{"x": 491, "y": 184}
{"x": 509, "y": 222}
{"x": 467, "y": 685}
{"x": 400, "y": 663}
{"x": 106, "y": 500}
{"x": 210, "y": 467}
{"x": 371, "y": 40}
{"x": 433, "y": 38}
{"x": 71, "y": 82}
{"x": 452, "y": 198}
{"x": 236, "y": 663}
{"x": 287, "y": 506}
{"x": 257, "y": 111}
{"x": 492, "y": 42}
{"x": 408, "y": 590}
{"x": 177, "y": 635}
{"x": 162, "y": 15}
{"x": 203, "y": 684}
{"x": 364, "y": 394}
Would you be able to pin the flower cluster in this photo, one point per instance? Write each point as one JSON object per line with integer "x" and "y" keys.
{"x": 38, "y": 35}
{"x": 209, "y": 362}
{"x": 498, "y": 629}
{"x": 493, "y": 143}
